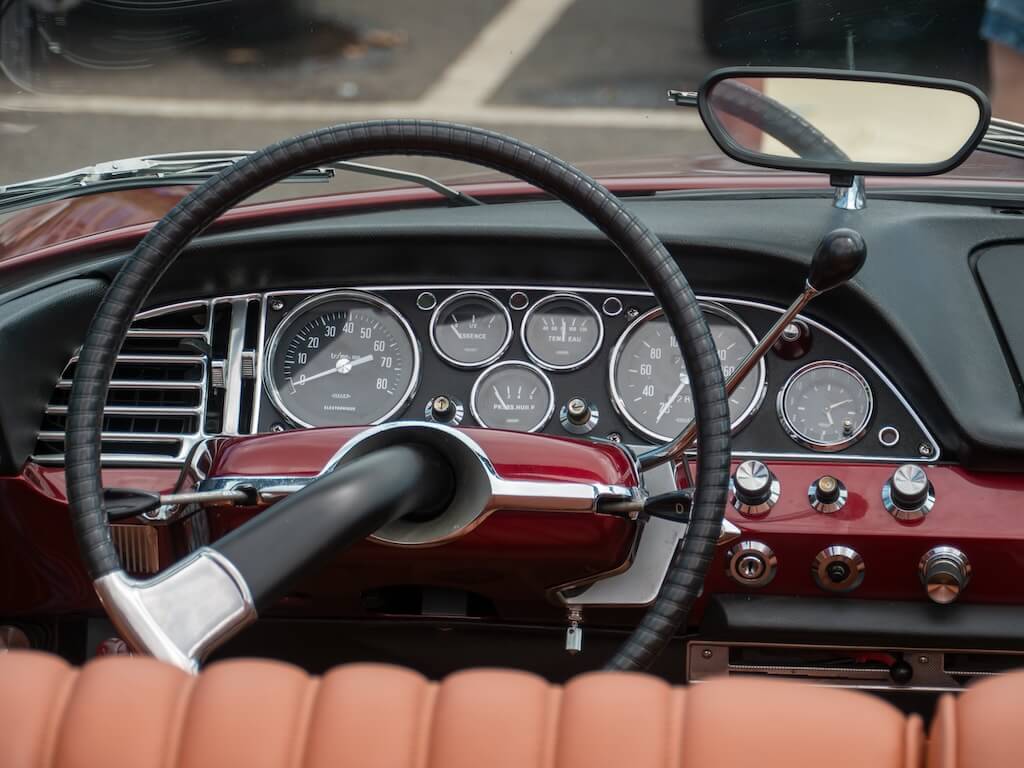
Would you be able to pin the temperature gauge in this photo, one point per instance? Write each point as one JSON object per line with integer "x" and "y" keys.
{"x": 513, "y": 395}
{"x": 562, "y": 332}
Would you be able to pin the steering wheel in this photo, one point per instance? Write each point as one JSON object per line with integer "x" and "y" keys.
{"x": 181, "y": 614}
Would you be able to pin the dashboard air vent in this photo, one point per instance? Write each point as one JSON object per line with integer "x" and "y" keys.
{"x": 157, "y": 401}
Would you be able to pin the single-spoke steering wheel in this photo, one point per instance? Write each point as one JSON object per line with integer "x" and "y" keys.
{"x": 183, "y": 613}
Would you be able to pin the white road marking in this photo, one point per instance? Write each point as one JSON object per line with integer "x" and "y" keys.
{"x": 320, "y": 112}
{"x": 499, "y": 47}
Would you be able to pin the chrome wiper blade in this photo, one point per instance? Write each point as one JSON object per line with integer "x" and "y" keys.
{"x": 186, "y": 168}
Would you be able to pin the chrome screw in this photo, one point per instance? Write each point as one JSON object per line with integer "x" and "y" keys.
{"x": 277, "y": 305}
{"x": 924, "y": 449}
{"x": 615, "y": 437}
{"x": 706, "y": 653}
{"x": 278, "y": 427}
{"x": 922, "y": 659}
{"x": 632, "y": 313}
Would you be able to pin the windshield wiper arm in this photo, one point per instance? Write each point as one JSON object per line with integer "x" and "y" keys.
{"x": 1004, "y": 137}
{"x": 187, "y": 168}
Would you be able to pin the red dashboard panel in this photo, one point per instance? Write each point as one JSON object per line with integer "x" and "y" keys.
{"x": 513, "y": 558}
{"x": 977, "y": 513}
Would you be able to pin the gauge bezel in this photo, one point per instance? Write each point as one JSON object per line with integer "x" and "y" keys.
{"x": 818, "y": 445}
{"x": 322, "y": 298}
{"x": 488, "y": 297}
{"x": 573, "y": 298}
{"x": 548, "y": 413}
{"x": 619, "y": 403}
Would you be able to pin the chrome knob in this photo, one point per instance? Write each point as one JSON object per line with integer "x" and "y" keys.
{"x": 908, "y": 495}
{"x": 945, "y": 573}
{"x": 827, "y": 495}
{"x": 755, "y": 489}
{"x": 751, "y": 563}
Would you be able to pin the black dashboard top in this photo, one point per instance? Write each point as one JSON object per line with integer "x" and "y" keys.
{"x": 916, "y": 308}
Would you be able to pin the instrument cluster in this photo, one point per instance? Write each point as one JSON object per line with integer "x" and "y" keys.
{"x": 563, "y": 361}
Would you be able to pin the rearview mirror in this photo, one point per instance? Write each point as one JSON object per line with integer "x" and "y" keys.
{"x": 841, "y": 122}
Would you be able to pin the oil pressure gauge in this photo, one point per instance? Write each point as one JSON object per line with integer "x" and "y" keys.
{"x": 825, "y": 406}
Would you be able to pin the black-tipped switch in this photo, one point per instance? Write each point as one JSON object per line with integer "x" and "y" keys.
{"x": 442, "y": 409}
{"x": 839, "y": 256}
{"x": 826, "y": 489}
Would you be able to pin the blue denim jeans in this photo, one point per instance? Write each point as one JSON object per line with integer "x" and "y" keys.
{"x": 1003, "y": 22}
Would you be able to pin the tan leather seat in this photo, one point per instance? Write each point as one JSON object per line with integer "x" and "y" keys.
{"x": 138, "y": 713}
{"x": 981, "y": 728}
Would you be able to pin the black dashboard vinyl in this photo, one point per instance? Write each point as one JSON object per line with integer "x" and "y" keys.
{"x": 915, "y": 308}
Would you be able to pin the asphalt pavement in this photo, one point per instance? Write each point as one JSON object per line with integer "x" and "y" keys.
{"x": 585, "y": 79}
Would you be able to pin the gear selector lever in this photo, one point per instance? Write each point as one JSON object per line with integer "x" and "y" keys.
{"x": 838, "y": 257}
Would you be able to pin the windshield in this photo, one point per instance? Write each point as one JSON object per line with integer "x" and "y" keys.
{"x": 87, "y": 81}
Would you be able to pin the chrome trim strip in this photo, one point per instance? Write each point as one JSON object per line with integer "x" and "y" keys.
{"x": 135, "y": 410}
{"x": 350, "y": 295}
{"x": 142, "y": 384}
{"x": 486, "y": 297}
{"x": 570, "y": 297}
{"x": 708, "y": 307}
{"x": 233, "y": 365}
{"x": 182, "y": 614}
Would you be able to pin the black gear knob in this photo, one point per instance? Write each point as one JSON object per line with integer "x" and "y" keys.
{"x": 840, "y": 255}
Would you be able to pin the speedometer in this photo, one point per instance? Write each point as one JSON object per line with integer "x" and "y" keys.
{"x": 342, "y": 359}
{"x": 649, "y": 383}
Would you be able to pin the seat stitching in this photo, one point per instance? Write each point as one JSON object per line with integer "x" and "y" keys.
{"x": 172, "y": 743}
{"x": 306, "y": 718}
{"x": 676, "y": 713}
{"x": 552, "y": 722}
{"x": 62, "y": 701}
{"x": 424, "y": 741}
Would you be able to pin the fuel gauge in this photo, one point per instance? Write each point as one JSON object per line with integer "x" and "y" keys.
{"x": 470, "y": 329}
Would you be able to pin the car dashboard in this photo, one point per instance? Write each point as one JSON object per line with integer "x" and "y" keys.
{"x": 517, "y": 316}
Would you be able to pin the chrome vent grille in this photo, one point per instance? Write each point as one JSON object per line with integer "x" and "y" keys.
{"x": 156, "y": 406}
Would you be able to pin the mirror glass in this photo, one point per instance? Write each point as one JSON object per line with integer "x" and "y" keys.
{"x": 840, "y": 124}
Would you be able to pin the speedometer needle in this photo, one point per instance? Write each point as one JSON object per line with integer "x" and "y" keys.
{"x": 343, "y": 366}
{"x": 684, "y": 382}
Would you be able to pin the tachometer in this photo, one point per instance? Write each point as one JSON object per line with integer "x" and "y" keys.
{"x": 649, "y": 383}
{"x": 342, "y": 359}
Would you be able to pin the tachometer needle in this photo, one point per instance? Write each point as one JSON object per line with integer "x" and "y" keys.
{"x": 343, "y": 366}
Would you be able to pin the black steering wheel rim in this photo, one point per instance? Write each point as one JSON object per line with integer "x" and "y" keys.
{"x": 168, "y": 237}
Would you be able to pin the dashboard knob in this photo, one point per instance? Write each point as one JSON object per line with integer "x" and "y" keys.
{"x": 755, "y": 489}
{"x": 444, "y": 410}
{"x": 908, "y": 495}
{"x": 827, "y": 494}
{"x": 945, "y": 572}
